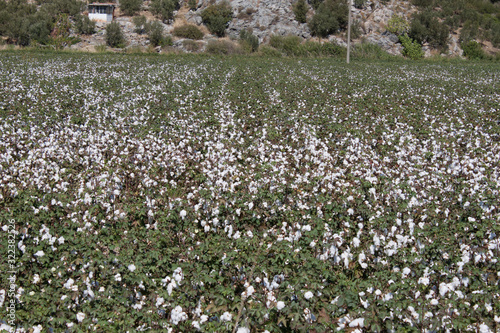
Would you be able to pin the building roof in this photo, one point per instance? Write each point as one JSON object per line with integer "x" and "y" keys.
{"x": 107, "y": 4}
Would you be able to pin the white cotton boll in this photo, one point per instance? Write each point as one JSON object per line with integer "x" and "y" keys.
{"x": 443, "y": 289}
{"x": 280, "y": 305}
{"x": 356, "y": 242}
{"x": 378, "y": 292}
{"x": 177, "y": 315}
{"x": 483, "y": 328}
{"x": 183, "y": 214}
{"x": 80, "y": 316}
{"x": 69, "y": 283}
{"x": 424, "y": 280}
{"x": 243, "y": 330}
{"x": 178, "y": 275}
{"x": 250, "y": 205}
{"x": 61, "y": 240}
{"x": 196, "y": 325}
{"x": 39, "y": 254}
{"x": 249, "y": 234}
{"x": 236, "y": 235}
{"x": 360, "y": 322}
{"x": 308, "y": 295}
{"x": 36, "y": 329}
{"x": 250, "y": 291}
{"x": 203, "y": 319}
{"x": 226, "y": 316}
{"x": 488, "y": 307}
{"x": 350, "y": 211}
{"x": 118, "y": 277}
{"x": 159, "y": 301}
{"x": 406, "y": 272}
{"x": 434, "y": 301}
{"x": 238, "y": 211}
{"x": 36, "y": 279}
{"x": 131, "y": 267}
{"x": 471, "y": 219}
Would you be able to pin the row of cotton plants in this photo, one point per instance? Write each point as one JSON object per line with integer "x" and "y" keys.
{"x": 248, "y": 195}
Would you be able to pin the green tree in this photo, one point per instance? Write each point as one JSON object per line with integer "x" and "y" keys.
{"x": 248, "y": 40}
{"x": 164, "y": 9}
{"x": 217, "y": 18}
{"x": 130, "y": 7}
{"x": 155, "y": 34}
{"x": 411, "y": 48}
{"x": 300, "y": 10}
{"x": 140, "y": 24}
{"x": 84, "y": 25}
{"x": 397, "y": 25}
{"x": 114, "y": 35}
{"x": 330, "y": 16}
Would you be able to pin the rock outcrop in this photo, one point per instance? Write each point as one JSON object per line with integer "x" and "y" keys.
{"x": 275, "y": 17}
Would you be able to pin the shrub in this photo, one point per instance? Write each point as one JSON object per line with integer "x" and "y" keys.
{"x": 359, "y": 3}
{"x": 192, "y": 4}
{"x": 155, "y": 34}
{"x": 366, "y": 50}
{"x": 397, "y": 25}
{"x": 425, "y": 27}
{"x": 268, "y": 51}
{"x": 422, "y": 3}
{"x": 330, "y": 16}
{"x": 217, "y": 18}
{"x": 300, "y": 10}
{"x": 248, "y": 40}
{"x": 130, "y": 7}
{"x": 188, "y": 31}
{"x": 469, "y": 32}
{"x": 190, "y": 45}
{"x": 411, "y": 48}
{"x": 114, "y": 35}
{"x": 472, "y": 50}
{"x": 222, "y": 47}
{"x": 84, "y": 25}
{"x": 164, "y": 9}
{"x": 288, "y": 45}
{"x": 140, "y": 23}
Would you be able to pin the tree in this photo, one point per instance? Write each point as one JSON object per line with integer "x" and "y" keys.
{"x": 130, "y": 7}
{"x": 300, "y": 10}
{"x": 155, "y": 34}
{"x": 84, "y": 25}
{"x": 217, "y": 18}
{"x": 164, "y": 9}
{"x": 330, "y": 16}
{"x": 114, "y": 35}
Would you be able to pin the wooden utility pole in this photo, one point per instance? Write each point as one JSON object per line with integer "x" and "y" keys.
{"x": 349, "y": 31}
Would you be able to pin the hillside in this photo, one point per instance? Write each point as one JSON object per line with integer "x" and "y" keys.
{"x": 440, "y": 26}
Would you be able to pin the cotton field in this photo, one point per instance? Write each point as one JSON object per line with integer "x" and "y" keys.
{"x": 179, "y": 194}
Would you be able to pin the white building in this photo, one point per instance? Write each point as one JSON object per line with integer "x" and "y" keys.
{"x": 101, "y": 12}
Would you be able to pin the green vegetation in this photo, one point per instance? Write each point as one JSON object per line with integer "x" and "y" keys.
{"x": 84, "y": 25}
{"x": 411, "y": 48}
{"x": 156, "y": 35}
{"x": 130, "y": 7}
{"x": 330, "y": 17}
{"x": 397, "y": 25}
{"x": 217, "y": 18}
{"x": 186, "y": 193}
{"x": 249, "y": 42}
{"x": 300, "y": 9}
{"x": 114, "y": 35}
{"x": 164, "y": 9}
{"x": 188, "y": 31}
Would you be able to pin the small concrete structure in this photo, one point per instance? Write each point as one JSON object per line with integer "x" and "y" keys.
{"x": 101, "y": 12}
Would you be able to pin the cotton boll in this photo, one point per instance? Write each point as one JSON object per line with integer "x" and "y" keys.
{"x": 226, "y": 316}
{"x": 280, "y": 305}
{"x": 308, "y": 295}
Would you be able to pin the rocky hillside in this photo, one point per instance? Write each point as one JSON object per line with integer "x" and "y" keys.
{"x": 276, "y": 17}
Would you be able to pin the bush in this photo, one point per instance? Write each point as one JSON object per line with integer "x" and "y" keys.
{"x": 190, "y": 45}
{"x": 164, "y": 9}
{"x": 411, "y": 48}
{"x": 359, "y": 3}
{"x": 330, "y": 16}
{"x": 217, "y": 18}
{"x": 192, "y": 4}
{"x": 425, "y": 27}
{"x": 300, "y": 10}
{"x": 140, "y": 23}
{"x": 268, "y": 51}
{"x": 188, "y": 31}
{"x": 222, "y": 47}
{"x": 469, "y": 32}
{"x": 472, "y": 50}
{"x": 114, "y": 35}
{"x": 366, "y": 50}
{"x": 248, "y": 40}
{"x": 84, "y": 25}
{"x": 397, "y": 25}
{"x": 155, "y": 34}
{"x": 130, "y": 7}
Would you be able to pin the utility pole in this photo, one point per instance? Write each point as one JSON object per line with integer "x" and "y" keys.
{"x": 349, "y": 31}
